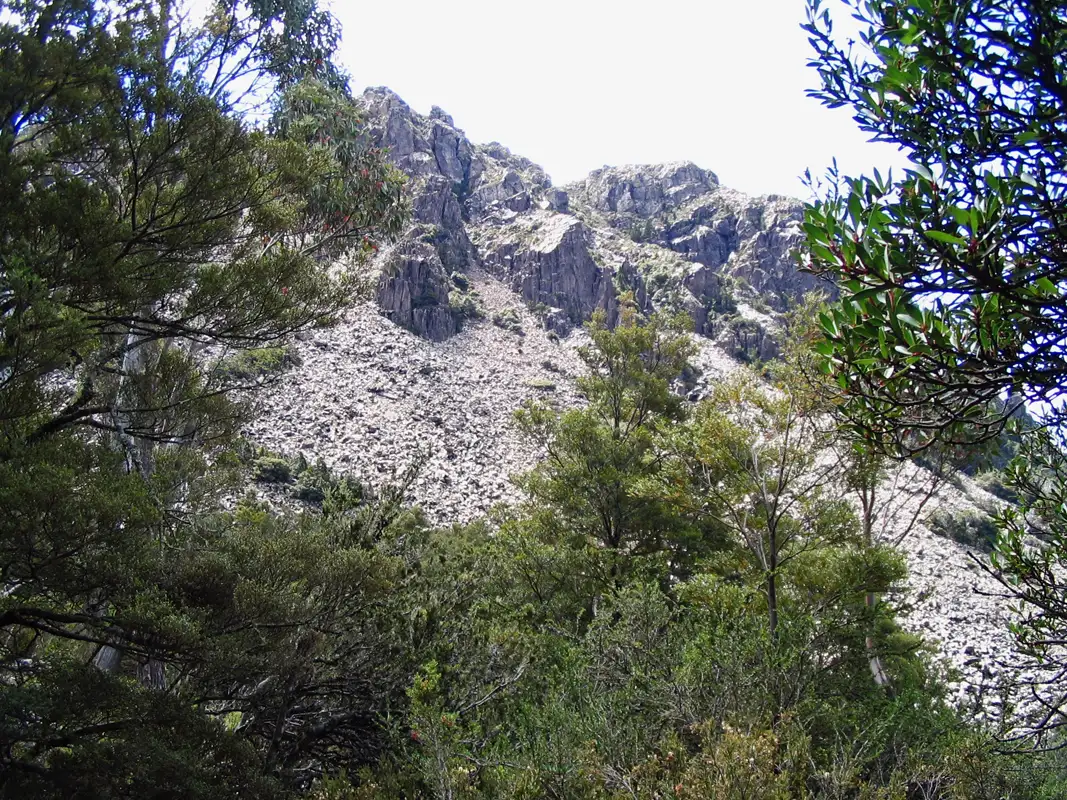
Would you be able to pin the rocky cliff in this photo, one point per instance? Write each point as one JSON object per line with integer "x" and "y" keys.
{"x": 478, "y": 307}
{"x": 670, "y": 234}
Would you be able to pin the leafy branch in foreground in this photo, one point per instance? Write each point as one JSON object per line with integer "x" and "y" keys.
{"x": 954, "y": 308}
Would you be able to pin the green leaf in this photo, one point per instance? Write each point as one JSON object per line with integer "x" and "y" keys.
{"x": 922, "y": 172}
{"x": 855, "y": 208}
{"x": 947, "y": 238}
{"x": 824, "y": 347}
{"x": 815, "y": 233}
{"x": 867, "y": 294}
{"x": 911, "y": 318}
{"x": 828, "y": 324}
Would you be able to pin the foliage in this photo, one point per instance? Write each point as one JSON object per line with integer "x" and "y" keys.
{"x": 271, "y": 469}
{"x": 509, "y": 320}
{"x": 258, "y": 364}
{"x": 971, "y": 528}
{"x": 993, "y": 481}
{"x": 642, "y": 232}
{"x": 678, "y": 608}
{"x": 952, "y": 276}
{"x": 1028, "y": 561}
{"x": 951, "y": 318}
{"x": 754, "y": 456}
{"x": 465, "y": 305}
{"x": 151, "y": 643}
{"x": 603, "y": 479}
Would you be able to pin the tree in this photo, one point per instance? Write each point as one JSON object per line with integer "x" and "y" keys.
{"x": 954, "y": 307}
{"x": 603, "y": 479}
{"x": 762, "y": 466}
{"x": 1029, "y": 562}
{"x": 953, "y": 314}
{"x": 151, "y": 228}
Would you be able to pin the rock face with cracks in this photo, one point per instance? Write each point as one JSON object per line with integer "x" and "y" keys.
{"x": 670, "y": 234}
{"x": 404, "y": 377}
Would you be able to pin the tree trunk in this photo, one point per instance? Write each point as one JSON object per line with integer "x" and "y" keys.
{"x": 772, "y": 586}
{"x": 878, "y": 671}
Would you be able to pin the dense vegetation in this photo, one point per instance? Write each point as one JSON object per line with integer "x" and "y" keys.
{"x": 691, "y": 601}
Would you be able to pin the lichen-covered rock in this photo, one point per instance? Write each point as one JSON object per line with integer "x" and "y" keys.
{"x": 451, "y": 150}
{"x": 770, "y": 233}
{"x": 413, "y": 292}
{"x": 546, "y": 258}
{"x": 509, "y": 192}
{"x": 557, "y": 200}
{"x": 644, "y": 191}
{"x": 747, "y": 340}
{"x": 435, "y": 204}
{"x": 683, "y": 208}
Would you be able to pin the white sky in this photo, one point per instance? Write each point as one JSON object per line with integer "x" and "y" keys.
{"x": 577, "y": 84}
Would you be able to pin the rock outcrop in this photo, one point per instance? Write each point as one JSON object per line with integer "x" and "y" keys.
{"x": 547, "y": 258}
{"x": 748, "y": 241}
{"x": 413, "y": 291}
{"x": 668, "y": 233}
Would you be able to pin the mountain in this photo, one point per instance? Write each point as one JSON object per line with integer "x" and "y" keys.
{"x": 478, "y": 308}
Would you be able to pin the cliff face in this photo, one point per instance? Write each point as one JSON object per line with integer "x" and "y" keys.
{"x": 669, "y": 233}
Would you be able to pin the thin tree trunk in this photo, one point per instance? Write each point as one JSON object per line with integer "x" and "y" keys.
{"x": 772, "y": 587}
{"x": 878, "y": 670}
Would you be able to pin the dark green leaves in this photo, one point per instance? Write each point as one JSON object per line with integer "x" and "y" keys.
{"x": 959, "y": 266}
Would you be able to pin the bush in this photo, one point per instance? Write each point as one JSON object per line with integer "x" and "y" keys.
{"x": 312, "y": 482}
{"x": 993, "y": 482}
{"x": 461, "y": 281}
{"x": 642, "y": 232}
{"x": 249, "y": 365}
{"x": 272, "y": 469}
{"x": 465, "y": 306}
{"x": 508, "y": 319}
{"x": 970, "y": 528}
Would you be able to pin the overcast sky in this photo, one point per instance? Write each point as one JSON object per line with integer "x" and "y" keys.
{"x": 577, "y": 84}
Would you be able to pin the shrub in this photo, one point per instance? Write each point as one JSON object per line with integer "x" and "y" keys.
{"x": 971, "y": 528}
{"x": 272, "y": 469}
{"x": 508, "y": 319}
{"x": 432, "y": 234}
{"x": 312, "y": 482}
{"x": 993, "y": 482}
{"x": 465, "y": 306}
{"x": 252, "y": 364}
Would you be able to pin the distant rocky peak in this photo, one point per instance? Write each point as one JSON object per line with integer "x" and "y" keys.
{"x": 420, "y": 145}
{"x": 645, "y": 190}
